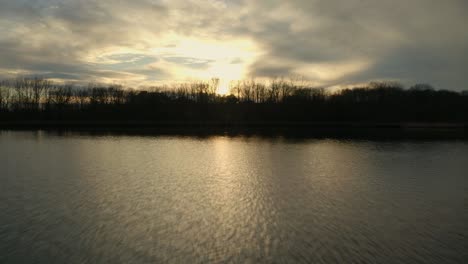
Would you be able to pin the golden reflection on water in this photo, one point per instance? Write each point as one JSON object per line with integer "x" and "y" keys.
{"x": 150, "y": 199}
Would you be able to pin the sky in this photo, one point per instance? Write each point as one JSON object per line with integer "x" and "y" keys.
{"x": 149, "y": 42}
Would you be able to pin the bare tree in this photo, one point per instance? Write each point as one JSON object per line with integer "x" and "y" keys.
{"x": 19, "y": 93}
{"x": 274, "y": 92}
{"x": 286, "y": 88}
{"x": 214, "y": 86}
{"x": 61, "y": 95}
{"x": 99, "y": 96}
{"x": 259, "y": 92}
{"x": 247, "y": 91}
{"x": 39, "y": 89}
{"x": 236, "y": 89}
{"x": 201, "y": 91}
{"x": 81, "y": 97}
{"x": 5, "y": 95}
{"x": 116, "y": 95}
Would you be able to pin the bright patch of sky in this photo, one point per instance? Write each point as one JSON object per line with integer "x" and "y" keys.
{"x": 148, "y": 42}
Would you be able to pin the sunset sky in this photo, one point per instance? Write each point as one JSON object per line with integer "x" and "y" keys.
{"x": 327, "y": 42}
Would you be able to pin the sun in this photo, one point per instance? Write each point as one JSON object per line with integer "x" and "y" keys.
{"x": 224, "y": 87}
{"x": 205, "y": 59}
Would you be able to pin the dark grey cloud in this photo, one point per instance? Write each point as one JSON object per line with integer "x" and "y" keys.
{"x": 411, "y": 41}
{"x": 330, "y": 42}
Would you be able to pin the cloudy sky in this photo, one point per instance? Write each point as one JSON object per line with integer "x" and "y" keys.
{"x": 328, "y": 42}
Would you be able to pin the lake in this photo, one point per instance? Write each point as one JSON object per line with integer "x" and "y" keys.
{"x": 82, "y": 198}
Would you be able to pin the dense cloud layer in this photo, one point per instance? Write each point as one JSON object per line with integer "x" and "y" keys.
{"x": 329, "y": 42}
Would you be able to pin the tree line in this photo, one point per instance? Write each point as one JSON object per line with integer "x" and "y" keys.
{"x": 279, "y": 100}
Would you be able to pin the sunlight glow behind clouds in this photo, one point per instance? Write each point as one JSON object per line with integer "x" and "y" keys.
{"x": 147, "y": 42}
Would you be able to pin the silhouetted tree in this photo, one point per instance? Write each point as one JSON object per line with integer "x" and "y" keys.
{"x": 252, "y": 101}
{"x": 61, "y": 95}
{"x": 5, "y": 96}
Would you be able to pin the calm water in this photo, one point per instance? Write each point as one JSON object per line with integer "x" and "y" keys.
{"x": 132, "y": 199}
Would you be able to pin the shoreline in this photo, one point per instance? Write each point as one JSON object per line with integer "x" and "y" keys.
{"x": 362, "y": 130}
{"x": 208, "y": 124}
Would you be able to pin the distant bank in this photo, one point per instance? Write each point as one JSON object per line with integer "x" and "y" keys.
{"x": 385, "y": 130}
{"x": 383, "y": 109}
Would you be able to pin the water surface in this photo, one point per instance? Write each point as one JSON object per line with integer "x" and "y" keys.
{"x": 144, "y": 199}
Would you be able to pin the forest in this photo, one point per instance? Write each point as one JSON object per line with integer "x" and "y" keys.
{"x": 249, "y": 102}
